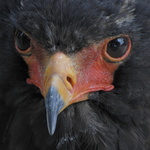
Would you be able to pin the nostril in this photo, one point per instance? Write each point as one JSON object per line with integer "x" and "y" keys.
{"x": 70, "y": 81}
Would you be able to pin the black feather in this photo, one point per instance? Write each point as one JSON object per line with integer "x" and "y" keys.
{"x": 116, "y": 120}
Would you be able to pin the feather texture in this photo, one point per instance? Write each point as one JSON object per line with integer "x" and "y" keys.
{"x": 115, "y": 120}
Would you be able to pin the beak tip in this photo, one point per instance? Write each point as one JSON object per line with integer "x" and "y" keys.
{"x": 53, "y": 104}
{"x": 51, "y": 132}
{"x": 51, "y": 128}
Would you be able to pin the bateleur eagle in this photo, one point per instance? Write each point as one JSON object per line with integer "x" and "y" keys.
{"x": 74, "y": 75}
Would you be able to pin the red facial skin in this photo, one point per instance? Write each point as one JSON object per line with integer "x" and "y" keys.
{"x": 92, "y": 67}
{"x": 93, "y": 72}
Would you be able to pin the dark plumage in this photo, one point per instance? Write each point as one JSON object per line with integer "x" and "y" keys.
{"x": 109, "y": 120}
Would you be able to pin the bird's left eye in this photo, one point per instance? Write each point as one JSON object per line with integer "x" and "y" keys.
{"x": 117, "y": 48}
{"x": 22, "y": 41}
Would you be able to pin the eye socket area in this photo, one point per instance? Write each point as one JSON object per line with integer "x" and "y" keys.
{"x": 22, "y": 43}
{"x": 117, "y": 48}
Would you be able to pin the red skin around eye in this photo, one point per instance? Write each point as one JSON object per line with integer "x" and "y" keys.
{"x": 92, "y": 67}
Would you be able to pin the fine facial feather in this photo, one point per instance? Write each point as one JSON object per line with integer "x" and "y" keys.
{"x": 55, "y": 23}
{"x": 113, "y": 120}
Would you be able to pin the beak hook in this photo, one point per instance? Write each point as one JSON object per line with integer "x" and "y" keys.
{"x": 53, "y": 104}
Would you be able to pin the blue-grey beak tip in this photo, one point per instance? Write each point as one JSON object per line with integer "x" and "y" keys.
{"x": 53, "y": 104}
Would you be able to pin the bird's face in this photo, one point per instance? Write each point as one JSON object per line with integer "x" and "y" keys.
{"x": 66, "y": 77}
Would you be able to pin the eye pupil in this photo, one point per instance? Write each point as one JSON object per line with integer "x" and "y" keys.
{"x": 22, "y": 41}
{"x": 117, "y": 47}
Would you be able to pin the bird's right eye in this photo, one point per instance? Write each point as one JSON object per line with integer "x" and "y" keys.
{"x": 22, "y": 41}
{"x": 117, "y": 48}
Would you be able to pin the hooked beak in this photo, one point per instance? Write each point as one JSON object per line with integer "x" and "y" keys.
{"x": 53, "y": 105}
{"x": 59, "y": 88}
